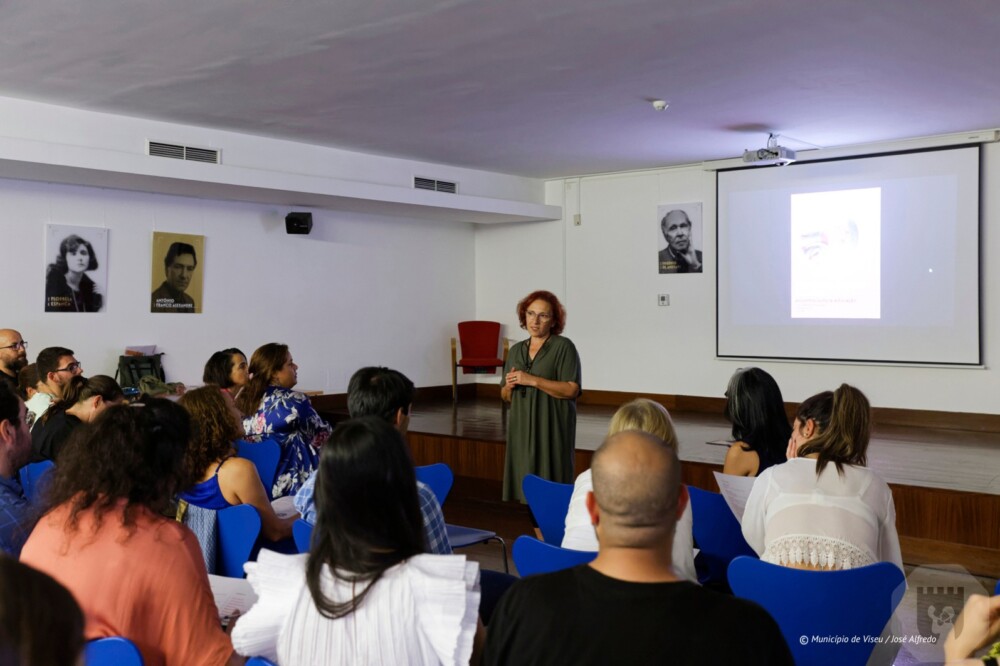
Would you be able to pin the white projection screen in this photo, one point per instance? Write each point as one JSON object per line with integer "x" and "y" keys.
{"x": 870, "y": 258}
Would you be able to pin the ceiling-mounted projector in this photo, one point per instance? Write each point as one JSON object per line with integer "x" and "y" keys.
{"x": 772, "y": 154}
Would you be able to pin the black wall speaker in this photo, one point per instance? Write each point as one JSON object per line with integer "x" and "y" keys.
{"x": 299, "y": 223}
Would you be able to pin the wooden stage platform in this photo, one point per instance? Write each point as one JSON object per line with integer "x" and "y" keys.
{"x": 945, "y": 480}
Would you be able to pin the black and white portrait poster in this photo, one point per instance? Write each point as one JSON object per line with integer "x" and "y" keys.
{"x": 76, "y": 272}
{"x": 680, "y": 237}
{"x": 176, "y": 282}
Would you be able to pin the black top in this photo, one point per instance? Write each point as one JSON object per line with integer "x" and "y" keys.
{"x": 49, "y": 435}
{"x": 10, "y": 381}
{"x": 579, "y": 616}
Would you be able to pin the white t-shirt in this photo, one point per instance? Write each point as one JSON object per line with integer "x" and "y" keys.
{"x": 422, "y": 611}
{"x": 832, "y": 522}
{"x": 580, "y": 535}
{"x": 38, "y": 404}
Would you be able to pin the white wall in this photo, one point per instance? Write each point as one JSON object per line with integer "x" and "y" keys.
{"x": 359, "y": 290}
{"x": 604, "y": 270}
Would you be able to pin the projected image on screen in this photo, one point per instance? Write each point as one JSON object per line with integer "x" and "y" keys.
{"x": 835, "y": 254}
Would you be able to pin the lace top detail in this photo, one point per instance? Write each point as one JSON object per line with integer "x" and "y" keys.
{"x": 816, "y": 551}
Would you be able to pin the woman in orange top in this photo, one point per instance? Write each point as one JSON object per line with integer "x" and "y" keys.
{"x": 134, "y": 572}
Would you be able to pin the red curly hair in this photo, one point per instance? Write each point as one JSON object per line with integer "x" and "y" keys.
{"x": 558, "y": 311}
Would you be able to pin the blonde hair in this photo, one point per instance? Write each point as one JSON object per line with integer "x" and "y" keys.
{"x": 647, "y": 416}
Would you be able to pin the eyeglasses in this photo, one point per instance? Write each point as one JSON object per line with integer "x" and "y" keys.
{"x": 543, "y": 316}
{"x": 17, "y": 345}
{"x": 72, "y": 367}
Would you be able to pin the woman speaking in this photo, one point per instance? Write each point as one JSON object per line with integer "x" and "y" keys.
{"x": 541, "y": 383}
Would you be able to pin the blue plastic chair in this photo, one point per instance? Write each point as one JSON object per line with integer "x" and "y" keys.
{"x": 260, "y": 661}
{"x": 302, "y": 534}
{"x": 112, "y": 651}
{"x": 852, "y": 602}
{"x": 532, "y": 556}
{"x": 717, "y": 535}
{"x": 33, "y": 479}
{"x": 264, "y": 455}
{"x": 549, "y": 503}
{"x": 439, "y": 477}
{"x": 239, "y": 528}
{"x": 996, "y": 590}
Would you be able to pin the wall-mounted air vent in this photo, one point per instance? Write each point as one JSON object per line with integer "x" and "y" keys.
{"x": 434, "y": 185}
{"x": 178, "y": 152}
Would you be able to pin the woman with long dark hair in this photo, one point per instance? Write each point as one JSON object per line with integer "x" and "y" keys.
{"x": 223, "y": 480}
{"x": 272, "y": 410}
{"x": 824, "y": 509}
{"x": 82, "y": 401}
{"x": 67, "y": 286}
{"x": 227, "y": 369}
{"x": 756, "y": 411}
{"x": 366, "y": 593}
{"x": 135, "y": 572}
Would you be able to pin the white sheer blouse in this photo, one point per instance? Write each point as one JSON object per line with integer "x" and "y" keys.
{"x": 831, "y": 522}
{"x": 579, "y": 534}
{"x": 423, "y": 611}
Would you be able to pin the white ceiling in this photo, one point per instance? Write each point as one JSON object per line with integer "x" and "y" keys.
{"x": 541, "y": 88}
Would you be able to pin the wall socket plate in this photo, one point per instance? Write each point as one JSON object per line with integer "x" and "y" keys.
{"x": 663, "y": 299}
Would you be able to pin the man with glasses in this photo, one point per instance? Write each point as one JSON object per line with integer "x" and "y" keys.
{"x": 13, "y": 357}
{"x": 17, "y": 517}
{"x": 56, "y": 367}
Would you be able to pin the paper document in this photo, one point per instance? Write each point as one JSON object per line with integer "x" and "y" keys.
{"x": 284, "y": 506}
{"x": 231, "y": 595}
{"x": 735, "y": 490}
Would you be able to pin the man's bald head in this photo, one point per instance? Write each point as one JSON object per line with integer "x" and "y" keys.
{"x": 637, "y": 480}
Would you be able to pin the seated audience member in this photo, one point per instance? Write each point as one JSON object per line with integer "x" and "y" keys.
{"x": 823, "y": 509}
{"x": 13, "y": 357}
{"x": 760, "y": 426}
{"x": 17, "y": 516}
{"x": 387, "y": 394}
{"x": 27, "y": 382}
{"x": 223, "y": 479}
{"x": 977, "y": 626}
{"x": 628, "y": 606}
{"x": 82, "y": 400}
{"x": 647, "y": 416}
{"x": 136, "y": 573}
{"x": 40, "y": 622}
{"x": 272, "y": 410}
{"x": 366, "y": 593}
{"x": 56, "y": 367}
{"x": 227, "y": 369}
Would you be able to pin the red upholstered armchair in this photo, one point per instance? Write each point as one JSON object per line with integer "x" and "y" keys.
{"x": 480, "y": 340}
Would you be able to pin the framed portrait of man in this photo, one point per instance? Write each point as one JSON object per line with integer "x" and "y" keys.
{"x": 177, "y": 269}
{"x": 76, "y": 268}
{"x": 680, "y": 234}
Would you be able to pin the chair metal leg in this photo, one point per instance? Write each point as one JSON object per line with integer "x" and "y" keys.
{"x": 503, "y": 549}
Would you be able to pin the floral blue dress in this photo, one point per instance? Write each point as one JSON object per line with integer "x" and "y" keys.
{"x": 287, "y": 417}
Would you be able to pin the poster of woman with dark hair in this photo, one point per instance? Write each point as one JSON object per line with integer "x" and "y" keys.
{"x": 77, "y": 275}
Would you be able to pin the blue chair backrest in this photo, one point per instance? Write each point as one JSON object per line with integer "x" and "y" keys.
{"x": 302, "y": 532}
{"x": 717, "y": 535}
{"x": 439, "y": 477}
{"x": 112, "y": 651}
{"x": 260, "y": 661}
{"x": 852, "y": 602}
{"x": 32, "y": 480}
{"x": 549, "y": 502}
{"x": 264, "y": 455}
{"x": 996, "y": 590}
{"x": 239, "y": 528}
{"x": 532, "y": 556}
